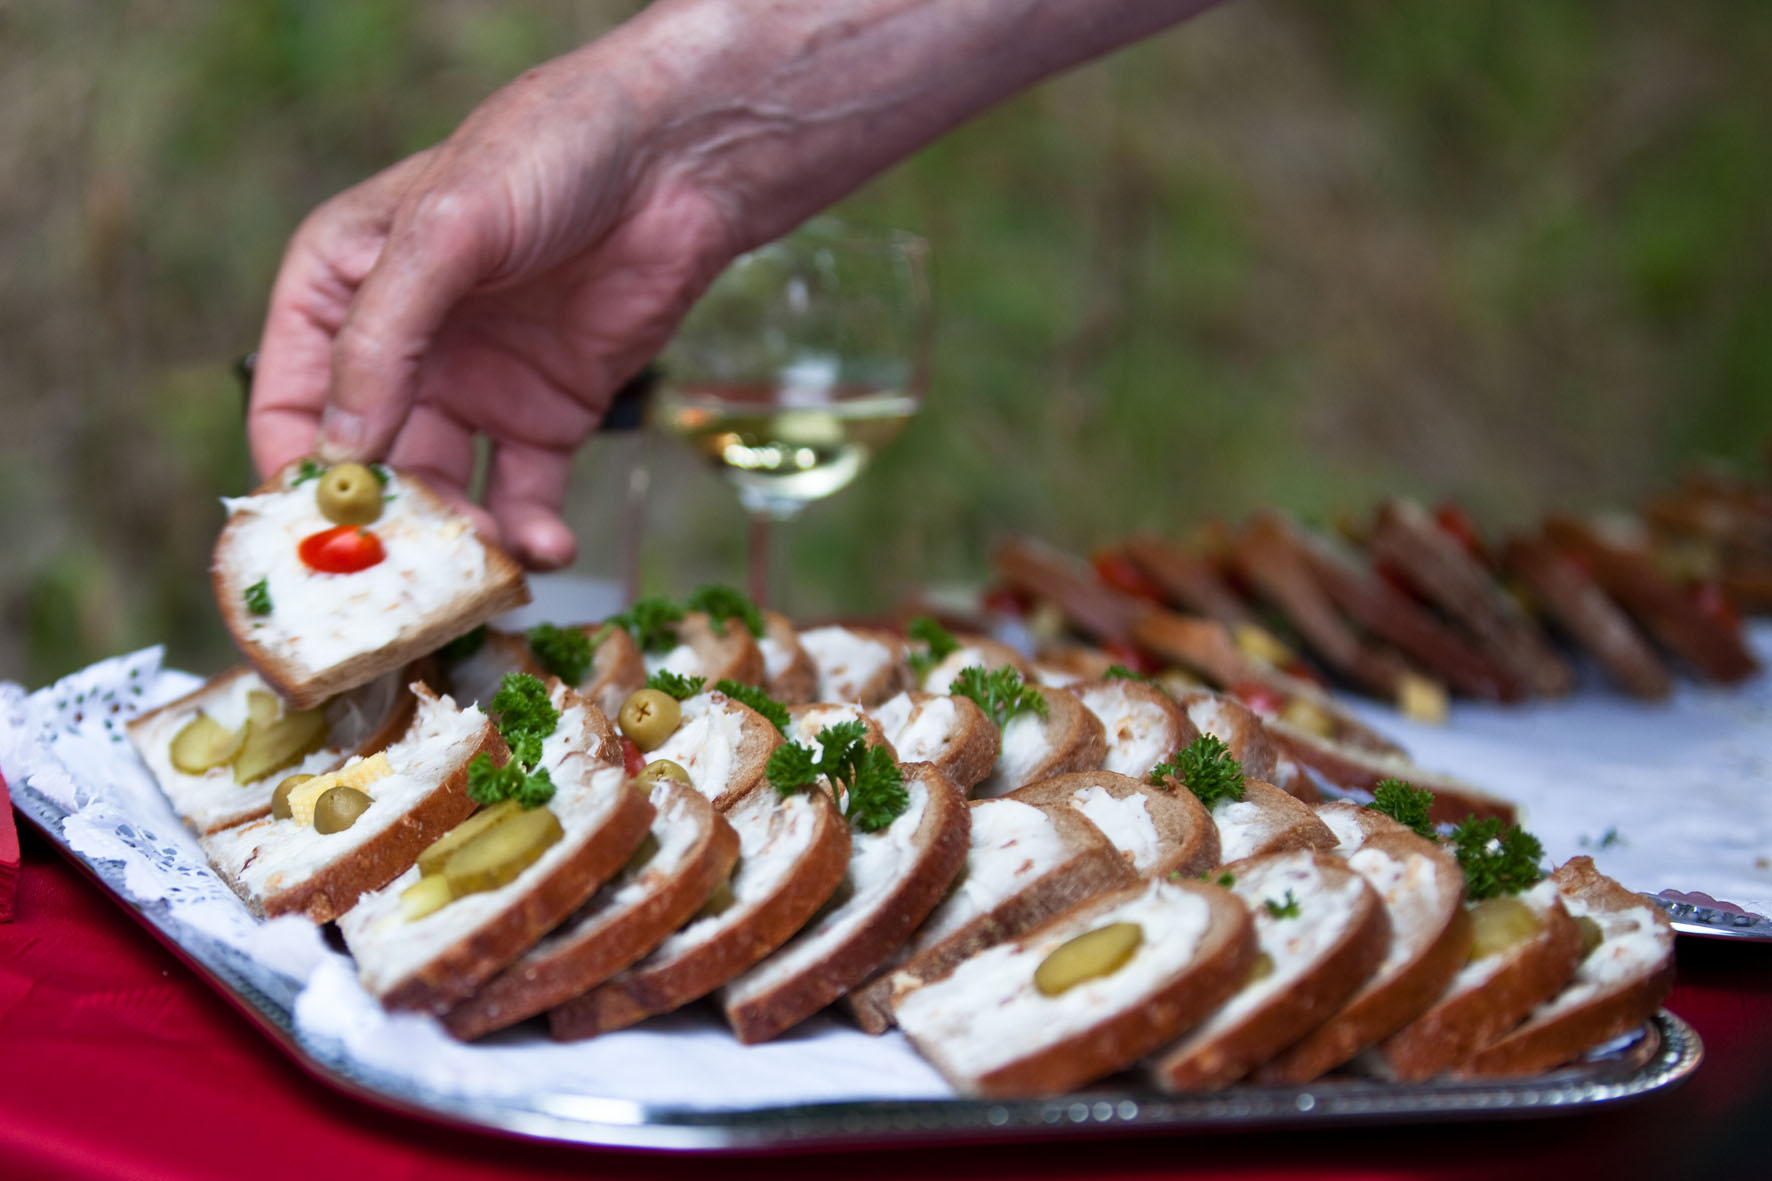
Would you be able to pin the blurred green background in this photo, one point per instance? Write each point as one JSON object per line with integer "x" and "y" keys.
{"x": 1295, "y": 253}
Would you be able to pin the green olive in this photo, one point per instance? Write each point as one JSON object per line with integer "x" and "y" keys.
{"x": 659, "y": 769}
{"x": 338, "y": 808}
{"x": 349, "y": 494}
{"x": 649, "y": 716}
{"x": 280, "y": 797}
{"x": 1591, "y": 934}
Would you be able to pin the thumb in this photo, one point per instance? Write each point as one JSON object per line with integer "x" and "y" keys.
{"x": 433, "y": 256}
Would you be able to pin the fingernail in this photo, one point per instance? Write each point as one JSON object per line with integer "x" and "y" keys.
{"x": 341, "y": 434}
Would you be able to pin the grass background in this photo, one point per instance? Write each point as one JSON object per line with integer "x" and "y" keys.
{"x": 1514, "y": 252}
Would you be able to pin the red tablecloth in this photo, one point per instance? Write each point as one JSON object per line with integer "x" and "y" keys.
{"x": 117, "y": 1061}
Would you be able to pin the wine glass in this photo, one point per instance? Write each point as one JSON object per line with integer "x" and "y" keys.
{"x": 803, "y": 359}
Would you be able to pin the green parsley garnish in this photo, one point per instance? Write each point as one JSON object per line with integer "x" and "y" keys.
{"x": 652, "y": 622}
{"x": 676, "y": 684}
{"x": 1407, "y": 805}
{"x": 1001, "y": 693}
{"x": 1496, "y": 860}
{"x": 309, "y": 470}
{"x": 1119, "y": 672}
{"x": 563, "y": 651}
{"x": 757, "y": 699}
{"x": 488, "y": 784}
{"x": 869, "y": 783}
{"x": 722, "y": 603}
{"x": 938, "y": 644}
{"x": 1226, "y": 879}
{"x": 1286, "y": 909}
{"x": 525, "y": 717}
{"x": 258, "y": 597}
{"x": 380, "y": 473}
{"x": 1206, "y": 767}
{"x": 523, "y": 709}
{"x": 463, "y": 646}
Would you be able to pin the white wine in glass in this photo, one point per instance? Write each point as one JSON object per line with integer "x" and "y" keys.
{"x": 802, "y": 361}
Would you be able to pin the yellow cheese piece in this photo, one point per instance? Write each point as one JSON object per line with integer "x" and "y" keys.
{"x": 360, "y": 775}
{"x": 1421, "y": 699}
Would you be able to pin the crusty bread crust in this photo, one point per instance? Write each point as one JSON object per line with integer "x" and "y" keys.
{"x": 643, "y": 991}
{"x": 1120, "y": 735}
{"x": 617, "y": 669}
{"x": 1358, "y": 770}
{"x": 1540, "y": 1044}
{"x": 732, "y": 656}
{"x": 1235, "y": 725}
{"x": 1290, "y": 824}
{"x": 1582, "y": 611}
{"x": 971, "y": 748}
{"x": 1192, "y": 581}
{"x": 1290, "y": 1013}
{"x": 1073, "y": 737}
{"x": 1369, "y": 822}
{"x": 798, "y": 681}
{"x": 1095, "y": 866}
{"x": 941, "y": 843}
{"x": 1120, "y": 1038}
{"x": 1384, "y": 1005}
{"x": 1186, "y": 836}
{"x": 1460, "y": 1023}
{"x": 534, "y": 983}
{"x": 502, "y": 589}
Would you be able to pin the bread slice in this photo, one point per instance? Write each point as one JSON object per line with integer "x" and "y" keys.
{"x": 973, "y": 652}
{"x": 1068, "y": 738}
{"x": 474, "y": 678}
{"x": 692, "y": 851}
{"x": 1320, "y": 930}
{"x": 1063, "y": 664}
{"x": 951, "y": 732}
{"x": 792, "y": 856}
{"x": 1050, "y": 576}
{"x": 864, "y": 665}
{"x": 359, "y": 722}
{"x": 1354, "y": 824}
{"x": 788, "y": 672}
{"x": 1235, "y": 725}
{"x": 1141, "y": 723}
{"x": 1266, "y": 820}
{"x": 1577, "y": 607}
{"x": 992, "y": 1032}
{"x": 1406, "y": 539}
{"x": 1159, "y": 831}
{"x": 896, "y": 876}
{"x": 428, "y": 964}
{"x": 286, "y": 867}
{"x": 805, "y": 722}
{"x": 325, "y": 633}
{"x": 1616, "y": 987}
{"x": 1422, "y": 890}
{"x": 1490, "y": 995}
{"x": 715, "y": 652}
{"x": 618, "y": 669}
{"x": 1026, "y": 862}
{"x": 723, "y": 744}
{"x": 1189, "y": 580}
{"x": 1356, "y": 770}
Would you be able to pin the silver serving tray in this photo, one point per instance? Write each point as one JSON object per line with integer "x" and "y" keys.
{"x": 1661, "y": 1055}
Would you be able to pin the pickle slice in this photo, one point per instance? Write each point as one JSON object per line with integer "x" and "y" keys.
{"x": 1591, "y": 934}
{"x": 432, "y": 860}
{"x": 1092, "y": 954}
{"x": 283, "y": 743}
{"x": 1500, "y": 923}
{"x": 502, "y": 852}
{"x": 204, "y": 744}
{"x": 1260, "y": 968}
{"x": 719, "y": 902}
{"x": 643, "y": 855}
{"x": 429, "y": 894}
{"x": 262, "y": 708}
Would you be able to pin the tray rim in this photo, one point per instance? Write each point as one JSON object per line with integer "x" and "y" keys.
{"x": 1668, "y": 1053}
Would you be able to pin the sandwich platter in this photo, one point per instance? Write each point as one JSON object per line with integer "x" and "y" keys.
{"x": 1687, "y": 771}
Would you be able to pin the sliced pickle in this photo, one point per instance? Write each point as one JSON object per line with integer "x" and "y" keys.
{"x": 1091, "y": 955}
{"x": 280, "y": 809}
{"x": 429, "y": 894}
{"x": 203, "y": 745}
{"x": 1260, "y": 968}
{"x": 1591, "y": 934}
{"x": 642, "y": 857}
{"x": 262, "y": 708}
{"x": 502, "y": 852}
{"x": 1498, "y": 924}
{"x": 719, "y": 902}
{"x": 432, "y": 860}
{"x": 283, "y": 743}
{"x": 338, "y": 808}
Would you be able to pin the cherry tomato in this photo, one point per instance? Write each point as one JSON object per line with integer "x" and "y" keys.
{"x": 1007, "y": 600}
{"x": 1120, "y": 572}
{"x": 1132, "y": 656}
{"x": 344, "y": 549}
{"x": 1714, "y": 604}
{"x": 1259, "y": 698}
{"x": 1455, "y": 521}
{"x": 632, "y": 759}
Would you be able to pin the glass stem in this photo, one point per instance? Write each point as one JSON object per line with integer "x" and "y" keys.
{"x": 758, "y": 569}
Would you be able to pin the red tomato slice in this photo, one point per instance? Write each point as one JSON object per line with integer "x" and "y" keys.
{"x": 631, "y": 756}
{"x": 1120, "y": 572}
{"x": 1259, "y": 698}
{"x": 1132, "y": 656}
{"x": 344, "y": 549}
{"x": 1006, "y": 600}
{"x": 1455, "y": 521}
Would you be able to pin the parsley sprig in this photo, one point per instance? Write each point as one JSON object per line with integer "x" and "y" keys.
{"x": 258, "y": 597}
{"x": 1286, "y": 908}
{"x": 937, "y": 645}
{"x": 652, "y": 622}
{"x": 1407, "y": 805}
{"x": 676, "y": 684}
{"x": 309, "y": 470}
{"x": 525, "y": 718}
{"x": 564, "y": 651}
{"x": 869, "y": 783}
{"x": 757, "y": 699}
{"x": 1496, "y": 859}
{"x": 1206, "y": 768}
{"x": 1119, "y": 672}
{"x": 463, "y": 646}
{"x": 1001, "y": 693}
{"x": 723, "y": 602}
